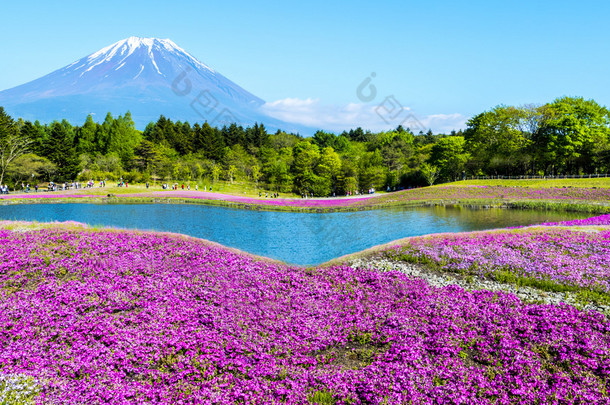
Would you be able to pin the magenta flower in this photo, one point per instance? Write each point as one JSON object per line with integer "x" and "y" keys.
{"x": 102, "y": 317}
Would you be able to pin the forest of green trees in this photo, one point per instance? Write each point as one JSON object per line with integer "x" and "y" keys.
{"x": 567, "y": 136}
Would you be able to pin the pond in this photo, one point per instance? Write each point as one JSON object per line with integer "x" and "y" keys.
{"x": 296, "y": 238}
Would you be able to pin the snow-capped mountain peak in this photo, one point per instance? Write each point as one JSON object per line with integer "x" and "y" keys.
{"x": 147, "y": 76}
{"x": 136, "y": 63}
{"x": 124, "y": 48}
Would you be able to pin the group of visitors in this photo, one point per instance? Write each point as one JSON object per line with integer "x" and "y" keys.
{"x": 76, "y": 185}
{"x": 356, "y": 192}
{"x": 273, "y": 195}
{"x": 65, "y": 186}
{"x": 177, "y": 186}
{"x": 165, "y": 186}
{"x": 51, "y": 186}
{"x": 347, "y": 193}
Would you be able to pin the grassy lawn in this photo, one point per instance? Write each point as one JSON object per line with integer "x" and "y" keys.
{"x": 537, "y": 183}
{"x": 245, "y": 189}
{"x": 567, "y": 195}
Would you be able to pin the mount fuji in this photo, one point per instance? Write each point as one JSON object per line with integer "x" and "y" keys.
{"x": 148, "y": 77}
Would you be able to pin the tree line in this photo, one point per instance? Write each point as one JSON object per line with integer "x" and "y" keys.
{"x": 567, "y": 136}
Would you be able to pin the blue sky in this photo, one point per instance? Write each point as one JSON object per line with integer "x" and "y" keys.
{"x": 443, "y": 60}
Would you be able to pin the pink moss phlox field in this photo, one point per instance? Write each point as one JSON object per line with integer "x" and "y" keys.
{"x": 569, "y": 257}
{"x": 599, "y": 220}
{"x": 439, "y": 193}
{"x": 202, "y": 195}
{"x": 99, "y": 317}
{"x": 46, "y": 196}
{"x": 287, "y": 202}
{"x": 499, "y": 193}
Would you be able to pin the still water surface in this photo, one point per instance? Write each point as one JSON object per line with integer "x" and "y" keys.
{"x": 297, "y": 238}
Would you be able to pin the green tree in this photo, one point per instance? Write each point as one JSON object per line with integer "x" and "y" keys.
{"x": 183, "y": 138}
{"x": 498, "y": 140}
{"x": 109, "y": 163}
{"x": 257, "y": 136}
{"x": 371, "y": 171}
{"x": 29, "y": 167}
{"x": 149, "y": 157}
{"x": 209, "y": 142}
{"x": 324, "y": 139}
{"x": 281, "y": 140}
{"x": 37, "y": 134}
{"x": 450, "y": 157}
{"x": 306, "y": 156}
{"x": 103, "y": 135}
{"x": 62, "y": 152}
{"x": 327, "y": 169}
{"x": 256, "y": 174}
{"x": 125, "y": 138}
{"x": 572, "y": 132}
{"x": 231, "y": 172}
{"x": 216, "y": 170}
{"x": 86, "y": 137}
{"x": 198, "y": 172}
{"x": 177, "y": 172}
{"x": 233, "y": 135}
{"x": 276, "y": 166}
{"x": 342, "y": 144}
{"x": 238, "y": 157}
{"x": 358, "y": 135}
{"x": 12, "y": 142}
{"x": 430, "y": 173}
{"x": 347, "y": 179}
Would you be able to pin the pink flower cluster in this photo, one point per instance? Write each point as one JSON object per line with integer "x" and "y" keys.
{"x": 99, "y": 317}
{"x": 569, "y": 257}
{"x": 201, "y": 195}
{"x": 286, "y": 202}
{"x": 419, "y": 194}
{"x": 46, "y": 196}
{"x": 499, "y": 193}
{"x": 599, "y": 220}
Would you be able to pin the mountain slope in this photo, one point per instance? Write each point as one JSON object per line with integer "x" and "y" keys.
{"x": 147, "y": 76}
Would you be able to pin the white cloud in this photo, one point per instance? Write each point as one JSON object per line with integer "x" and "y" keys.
{"x": 376, "y": 117}
{"x": 445, "y": 123}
